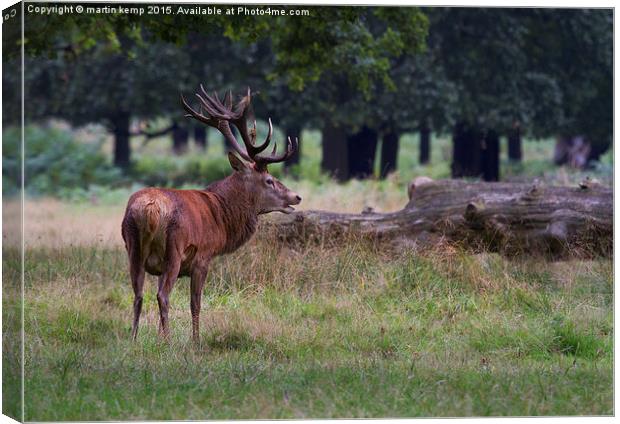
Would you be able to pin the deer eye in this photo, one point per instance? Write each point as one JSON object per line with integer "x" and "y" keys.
{"x": 269, "y": 181}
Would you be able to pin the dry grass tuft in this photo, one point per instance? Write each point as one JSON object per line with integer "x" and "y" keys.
{"x": 51, "y": 223}
{"x": 242, "y": 330}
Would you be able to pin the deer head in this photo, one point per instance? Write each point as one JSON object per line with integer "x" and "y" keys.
{"x": 271, "y": 195}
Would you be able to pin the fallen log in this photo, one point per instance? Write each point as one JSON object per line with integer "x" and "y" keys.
{"x": 509, "y": 218}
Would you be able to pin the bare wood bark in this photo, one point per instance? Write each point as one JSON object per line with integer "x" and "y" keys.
{"x": 508, "y": 218}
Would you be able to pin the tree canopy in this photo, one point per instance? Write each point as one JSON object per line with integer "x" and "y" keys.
{"x": 386, "y": 69}
{"x": 549, "y": 69}
{"x": 139, "y": 66}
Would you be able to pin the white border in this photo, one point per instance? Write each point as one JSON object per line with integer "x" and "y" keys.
{"x": 480, "y": 3}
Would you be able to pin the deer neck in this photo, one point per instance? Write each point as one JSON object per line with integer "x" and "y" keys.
{"x": 239, "y": 208}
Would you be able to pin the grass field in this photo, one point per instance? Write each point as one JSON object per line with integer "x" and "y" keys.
{"x": 314, "y": 332}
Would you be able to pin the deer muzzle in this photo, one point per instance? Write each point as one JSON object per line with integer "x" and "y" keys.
{"x": 293, "y": 199}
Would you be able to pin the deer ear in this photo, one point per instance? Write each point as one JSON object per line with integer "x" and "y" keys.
{"x": 236, "y": 163}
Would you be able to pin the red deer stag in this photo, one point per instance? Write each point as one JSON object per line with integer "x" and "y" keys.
{"x": 175, "y": 233}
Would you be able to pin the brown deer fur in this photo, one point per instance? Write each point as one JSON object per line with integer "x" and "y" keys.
{"x": 174, "y": 233}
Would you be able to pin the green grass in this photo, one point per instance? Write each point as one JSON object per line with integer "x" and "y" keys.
{"x": 311, "y": 333}
{"x": 320, "y": 333}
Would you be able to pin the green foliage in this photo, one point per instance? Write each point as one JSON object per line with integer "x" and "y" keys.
{"x": 128, "y": 57}
{"x": 581, "y": 48}
{"x": 330, "y": 38}
{"x": 549, "y": 69}
{"x": 152, "y": 167}
{"x": 175, "y": 172}
{"x": 124, "y": 83}
{"x": 358, "y": 41}
{"x": 570, "y": 340}
{"x": 386, "y": 67}
{"x": 54, "y": 161}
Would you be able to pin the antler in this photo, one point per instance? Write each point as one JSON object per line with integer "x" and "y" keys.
{"x": 220, "y": 114}
{"x": 218, "y": 117}
{"x": 290, "y": 150}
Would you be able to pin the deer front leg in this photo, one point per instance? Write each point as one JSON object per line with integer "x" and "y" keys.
{"x": 199, "y": 275}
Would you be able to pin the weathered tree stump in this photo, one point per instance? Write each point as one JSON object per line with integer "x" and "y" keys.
{"x": 509, "y": 218}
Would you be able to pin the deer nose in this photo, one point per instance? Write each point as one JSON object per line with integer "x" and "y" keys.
{"x": 297, "y": 198}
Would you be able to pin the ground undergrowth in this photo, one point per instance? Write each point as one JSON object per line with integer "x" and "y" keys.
{"x": 317, "y": 333}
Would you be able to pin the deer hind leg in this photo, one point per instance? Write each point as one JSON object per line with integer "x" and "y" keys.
{"x": 166, "y": 283}
{"x": 136, "y": 271}
{"x": 199, "y": 275}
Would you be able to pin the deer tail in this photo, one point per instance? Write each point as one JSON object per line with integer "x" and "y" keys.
{"x": 152, "y": 214}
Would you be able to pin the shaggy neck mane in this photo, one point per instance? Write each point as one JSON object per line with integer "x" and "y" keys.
{"x": 239, "y": 209}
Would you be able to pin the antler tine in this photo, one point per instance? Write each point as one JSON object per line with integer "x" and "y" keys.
{"x": 263, "y": 146}
{"x": 211, "y": 110}
{"x": 221, "y": 114}
{"x": 214, "y": 105}
{"x": 225, "y": 113}
{"x": 291, "y": 147}
{"x": 228, "y": 100}
{"x": 288, "y": 152}
{"x": 217, "y": 121}
{"x": 191, "y": 113}
{"x": 294, "y": 148}
{"x": 244, "y": 103}
{"x": 225, "y": 106}
{"x": 253, "y": 132}
{"x": 240, "y": 121}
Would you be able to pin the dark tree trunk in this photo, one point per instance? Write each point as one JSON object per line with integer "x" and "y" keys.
{"x": 335, "y": 159}
{"x": 389, "y": 153}
{"x": 512, "y": 219}
{"x": 362, "y": 152}
{"x": 514, "y": 144}
{"x": 490, "y": 156}
{"x": 467, "y": 151}
{"x": 293, "y": 132}
{"x": 425, "y": 144}
{"x": 599, "y": 148}
{"x": 180, "y": 139}
{"x": 200, "y": 137}
{"x": 572, "y": 151}
{"x": 561, "y": 150}
{"x": 122, "y": 148}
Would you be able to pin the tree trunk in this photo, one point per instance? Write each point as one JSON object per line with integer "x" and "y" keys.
{"x": 200, "y": 137}
{"x": 467, "y": 151}
{"x": 598, "y": 149}
{"x": 572, "y": 151}
{"x": 122, "y": 148}
{"x": 362, "y": 152}
{"x": 425, "y": 143}
{"x": 512, "y": 219}
{"x": 335, "y": 152}
{"x": 389, "y": 153}
{"x": 490, "y": 156}
{"x": 293, "y": 132}
{"x": 180, "y": 139}
{"x": 514, "y": 144}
